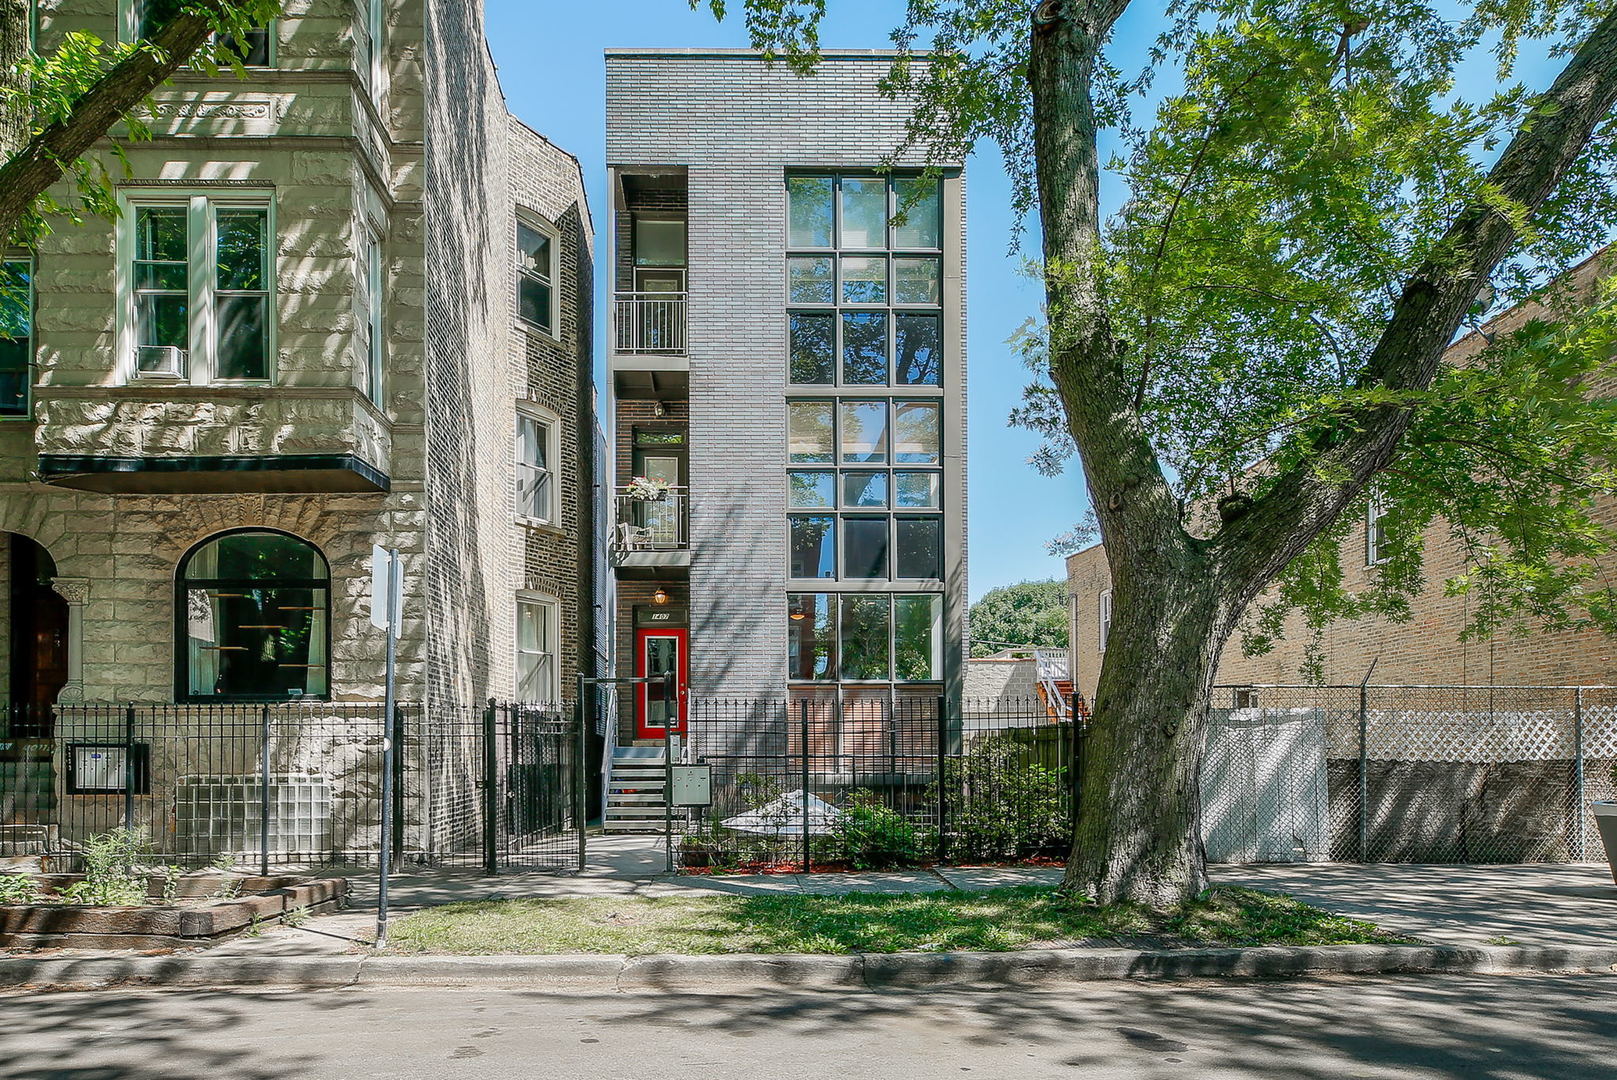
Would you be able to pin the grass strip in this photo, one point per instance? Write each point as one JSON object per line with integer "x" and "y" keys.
{"x": 1021, "y": 917}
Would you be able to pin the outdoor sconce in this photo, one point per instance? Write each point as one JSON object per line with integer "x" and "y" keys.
{"x": 660, "y": 596}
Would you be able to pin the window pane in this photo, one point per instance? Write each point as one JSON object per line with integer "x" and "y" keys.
{"x": 152, "y": 14}
{"x": 864, "y": 489}
{"x": 917, "y": 638}
{"x": 811, "y": 636}
{"x": 915, "y": 433}
{"x": 533, "y": 302}
{"x": 256, "y": 618}
{"x": 923, "y": 224}
{"x": 920, "y": 547}
{"x": 533, "y": 251}
{"x": 813, "y": 356}
{"x": 917, "y": 281}
{"x": 813, "y": 546}
{"x": 865, "y": 636}
{"x": 864, "y": 214}
{"x": 253, "y": 47}
{"x": 240, "y": 235}
{"x": 809, "y": 281}
{"x": 16, "y": 329}
{"x": 864, "y": 550}
{"x": 160, "y": 233}
{"x": 809, "y": 201}
{"x": 658, "y": 243}
{"x": 243, "y": 337}
{"x": 809, "y": 432}
{"x": 919, "y": 356}
{"x": 864, "y": 348}
{"x": 811, "y": 489}
{"x": 911, "y": 489}
{"x": 161, "y": 320}
{"x": 161, "y": 275}
{"x": 864, "y": 431}
{"x": 864, "y": 281}
{"x": 531, "y": 440}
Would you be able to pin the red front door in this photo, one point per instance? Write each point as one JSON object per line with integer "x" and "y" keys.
{"x": 656, "y": 653}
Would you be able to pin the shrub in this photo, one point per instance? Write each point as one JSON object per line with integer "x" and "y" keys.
{"x": 109, "y": 870}
{"x": 19, "y": 889}
{"x": 873, "y": 837}
{"x": 1002, "y": 806}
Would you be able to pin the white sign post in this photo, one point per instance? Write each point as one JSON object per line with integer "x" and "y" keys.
{"x": 387, "y": 610}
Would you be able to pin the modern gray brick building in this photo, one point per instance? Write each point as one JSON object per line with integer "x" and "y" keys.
{"x": 787, "y": 358}
{"x": 347, "y": 302}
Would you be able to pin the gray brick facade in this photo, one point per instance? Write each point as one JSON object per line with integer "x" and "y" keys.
{"x": 736, "y": 125}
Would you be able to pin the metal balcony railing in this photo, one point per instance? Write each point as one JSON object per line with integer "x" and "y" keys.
{"x": 650, "y": 322}
{"x": 661, "y": 524}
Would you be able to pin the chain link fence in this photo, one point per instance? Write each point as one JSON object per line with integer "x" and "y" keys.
{"x": 1415, "y": 774}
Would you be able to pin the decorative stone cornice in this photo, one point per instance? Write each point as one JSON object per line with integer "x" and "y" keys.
{"x": 74, "y": 590}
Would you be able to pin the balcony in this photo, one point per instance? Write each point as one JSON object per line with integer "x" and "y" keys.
{"x": 650, "y": 323}
{"x": 651, "y": 537}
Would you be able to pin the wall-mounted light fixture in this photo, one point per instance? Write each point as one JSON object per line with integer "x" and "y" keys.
{"x": 660, "y": 596}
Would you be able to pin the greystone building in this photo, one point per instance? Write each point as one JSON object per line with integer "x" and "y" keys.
{"x": 345, "y": 302}
{"x": 787, "y": 362}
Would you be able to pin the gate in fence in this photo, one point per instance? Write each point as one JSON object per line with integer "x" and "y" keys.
{"x": 295, "y": 783}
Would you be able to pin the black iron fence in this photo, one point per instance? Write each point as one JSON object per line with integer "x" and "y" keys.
{"x": 1423, "y": 774}
{"x": 875, "y": 783}
{"x": 296, "y": 782}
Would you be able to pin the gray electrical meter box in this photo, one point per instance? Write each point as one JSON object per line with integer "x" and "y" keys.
{"x": 691, "y": 785}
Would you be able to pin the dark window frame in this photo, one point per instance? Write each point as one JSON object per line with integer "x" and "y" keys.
{"x": 183, "y": 585}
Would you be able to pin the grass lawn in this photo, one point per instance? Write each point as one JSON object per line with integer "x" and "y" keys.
{"x": 1015, "y": 918}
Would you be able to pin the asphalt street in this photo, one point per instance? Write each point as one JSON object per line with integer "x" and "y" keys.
{"x": 1466, "y": 1028}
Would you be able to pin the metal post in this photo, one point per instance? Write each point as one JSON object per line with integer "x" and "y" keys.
{"x": 803, "y": 713}
{"x": 1364, "y": 774}
{"x": 491, "y": 863}
{"x": 384, "y": 847}
{"x": 129, "y": 765}
{"x": 580, "y": 786}
{"x": 1076, "y": 767}
{"x": 943, "y": 778}
{"x": 1579, "y": 801}
{"x": 670, "y": 718}
{"x": 398, "y": 741}
{"x": 263, "y": 791}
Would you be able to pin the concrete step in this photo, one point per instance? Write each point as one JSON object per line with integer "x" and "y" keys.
{"x": 624, "y": 798}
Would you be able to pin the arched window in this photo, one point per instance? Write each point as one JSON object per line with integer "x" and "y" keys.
{"x": 254, "y": 615}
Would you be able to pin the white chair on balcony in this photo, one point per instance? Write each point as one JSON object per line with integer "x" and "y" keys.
{"x": 633, "y": 537}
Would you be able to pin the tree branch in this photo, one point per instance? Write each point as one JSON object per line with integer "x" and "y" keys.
{"x": 1311, "y": 493}
{"x": 41, "y": 161}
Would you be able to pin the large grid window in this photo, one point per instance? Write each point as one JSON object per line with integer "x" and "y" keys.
{"x": 202, "y": 311}
{"x": 16, "y": 336}
{"x": 864, "y": 489}
{"x": 864, "y": 637}
{"x": 255, "y": 614}
{"x": 864, "y": 294}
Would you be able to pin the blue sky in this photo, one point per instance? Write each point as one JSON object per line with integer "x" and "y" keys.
{"x": 549, "y": 55}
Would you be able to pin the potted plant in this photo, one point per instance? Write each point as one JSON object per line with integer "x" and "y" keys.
{"x": 1606, "y": 820}
{"x": 647, "y": 489}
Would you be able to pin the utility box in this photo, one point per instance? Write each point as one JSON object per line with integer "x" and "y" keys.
{"x": 690, "y": 785}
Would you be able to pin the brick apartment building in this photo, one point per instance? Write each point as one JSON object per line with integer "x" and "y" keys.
{"x": 346, "y": 302}
{"x": 787, "y": 368}
{"x": 1425, "y": 650}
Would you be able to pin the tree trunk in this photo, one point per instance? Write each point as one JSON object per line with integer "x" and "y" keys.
{"x": 1138, "y": 836}
{"x": 16, "y": 17}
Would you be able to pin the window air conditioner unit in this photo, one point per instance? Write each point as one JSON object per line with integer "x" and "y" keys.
{"x": 160, "y": 361}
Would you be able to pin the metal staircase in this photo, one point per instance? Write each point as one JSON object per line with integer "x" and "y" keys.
{"x": 634, "y": 790}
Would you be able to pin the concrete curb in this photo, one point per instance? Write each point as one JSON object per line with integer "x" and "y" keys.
{"x": 595, "y": 974}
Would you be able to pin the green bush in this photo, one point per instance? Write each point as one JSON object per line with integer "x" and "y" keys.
{"x": 18, "y": 889}
{"x": 1002, "y": 806}
{"x": 873, "y": 837}
{"x": 110, "y": 876}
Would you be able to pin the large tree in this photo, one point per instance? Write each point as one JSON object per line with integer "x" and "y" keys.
{"x": 1248, "y": 345}
{"x": 54, "y": 108}
{"x": 1027, "y": 613}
